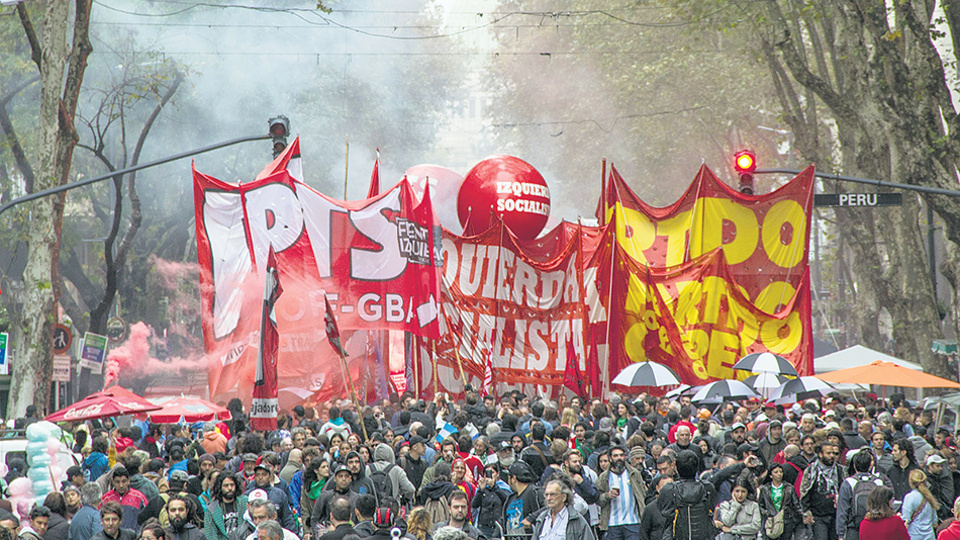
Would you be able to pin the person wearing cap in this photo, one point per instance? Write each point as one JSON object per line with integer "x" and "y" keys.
{"x": 196, "y": 485}
{"x": 156, "y": 508}
{"x": 248, "y": 466}
{"x": 225, "y": 509}
{"x": 736, "y": 435}
{"x": 75, "y": 476}
{"x": 263, "y": 479}
{"x": 940, "y": 481}
{"x": 560, "y": 521}
{"x": 523, "y": 501}
{"x": 773, "y": 442}
{"x": 131, "y": 500}
{"x": 342, "y": 479}
{"x": 622, "y": 494}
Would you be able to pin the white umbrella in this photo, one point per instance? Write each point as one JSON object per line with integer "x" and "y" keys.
{"x": 646, "y": 374}
{"x": 725, "y": 389}
{"x": 766, "y": 362}
{"x": 799, "y": 389}
{"x": 764, "y": 383}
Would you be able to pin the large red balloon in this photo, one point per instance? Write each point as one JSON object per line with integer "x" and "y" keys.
{"x": 444, "y": 186}
{"x": 507, "y": 187}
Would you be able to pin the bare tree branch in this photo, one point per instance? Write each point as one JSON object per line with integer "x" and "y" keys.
{"x": 36, "y": 51}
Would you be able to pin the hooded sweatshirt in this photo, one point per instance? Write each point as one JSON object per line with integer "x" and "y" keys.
{"x": 384, "y": 461}
{"x": 335, "y": 425}
{"x": 213, "y": 442}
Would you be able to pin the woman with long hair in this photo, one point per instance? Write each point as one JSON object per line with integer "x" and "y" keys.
{"x": 919, "y": 509}
{"x": 315, "y": 476}
{"x": 882, "y": 521}
{"x": 568, "y": 418}
{"x": 776, "y": 496}
{"x": 419, "y": 524}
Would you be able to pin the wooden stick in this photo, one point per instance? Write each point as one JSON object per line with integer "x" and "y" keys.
{"x": 415, "y": 361}
{"x": 356, "y": 398}
{"x": 433, "y": 357}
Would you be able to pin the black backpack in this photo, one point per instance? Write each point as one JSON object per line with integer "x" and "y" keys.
{"x": 691, "y": 521}
{"x": 861, "y": 485}
{"x": 382, "y": 482}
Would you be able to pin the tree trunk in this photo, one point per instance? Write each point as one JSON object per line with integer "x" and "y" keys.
{"x": 61, "y": 66}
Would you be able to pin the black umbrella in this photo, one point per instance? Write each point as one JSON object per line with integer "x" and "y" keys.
{"x": 766, "y": 362}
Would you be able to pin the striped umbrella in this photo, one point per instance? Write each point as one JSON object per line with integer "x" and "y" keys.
{"x": 723, "y": 390}
{"x": 766, "y": 362}
{"x": 646, "y": 374}
{"x": 800, "y": 389}
{"x": 764, "y": 383}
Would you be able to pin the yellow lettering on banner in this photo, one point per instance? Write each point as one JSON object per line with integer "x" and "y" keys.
{"x": 633, "y": 342}
{"x": 635, "y": 233}
{"x": 688, "y": 302}
{"x": 696, "y": 342}
{"x": 741, "y": 319}
{"x": 714, "y": 290}
{"x": 782, "y": 336}
{"x": 785, "y": 213}
{"x": 724, "y": 348}
{"x": 675, "y": 229}
{"x": 637, "y": 295}
{"x": 772, "y": 295}
{"x": 707, "y": 233}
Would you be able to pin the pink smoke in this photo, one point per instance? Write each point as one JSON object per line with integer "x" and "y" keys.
{"x": 134, "y": 360}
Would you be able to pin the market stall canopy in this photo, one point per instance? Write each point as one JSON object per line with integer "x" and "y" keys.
{"x": 857, "y": 356}
{"x": 177, "y": 409}
{"x": 114, "y": 401}
{"x": 887, "y": 374}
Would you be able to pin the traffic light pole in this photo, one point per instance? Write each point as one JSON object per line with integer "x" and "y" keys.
{"x": 867, "y": 181}
{"x": 88, "y": 181}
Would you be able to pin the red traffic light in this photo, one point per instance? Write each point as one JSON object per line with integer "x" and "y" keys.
{"x": 745, "y": 161}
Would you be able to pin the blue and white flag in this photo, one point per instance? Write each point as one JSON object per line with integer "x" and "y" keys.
{"x": 447, "y": 430}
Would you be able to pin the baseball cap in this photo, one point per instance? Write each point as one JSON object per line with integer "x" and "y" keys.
{"x": 935, "y": 458}
{"x": 830, "y": 412}
{"x": 769, "y": 405}
{"x": 416, "y": 439}
{"x": 250, "y": 456}
{"x": 851, "y": 407}
{"x": 737, "y": 425}
{"x": 775, "y": 422}
{"x": 257, "y": 495}
{"x": 505, "y": 445}
{"x": 606, "y": 423}
{"x": 262, "y": 465}
{"x": 74, "y": 471}
{"x": 342, "y": 468}
{"x": 522, "y": 471}
{"x": 179, "y": 476}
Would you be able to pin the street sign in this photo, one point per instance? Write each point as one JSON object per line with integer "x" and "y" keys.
{"x": 116, "y": 329}
{"x": 93, "y": 353}
{"x": 62, "y": 338}
{"x": 4, "y": 358}
{"x": 858, "y": 199}
{"x": 61, "y": 368}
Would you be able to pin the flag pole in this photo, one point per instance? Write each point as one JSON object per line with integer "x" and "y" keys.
{"x": 433, "y": 358}
{"x": 353, "y": 390}
{"x": 416, "y": 363}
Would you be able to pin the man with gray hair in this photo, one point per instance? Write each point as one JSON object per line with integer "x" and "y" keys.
{"x": 269, "y": 530}
{"x": 560, "y": 521}
{"x": 449, "y": 533}
{"x": 213, "y": 441}
{"x": 86, "y": 522}
{"x": 259, "y": 510}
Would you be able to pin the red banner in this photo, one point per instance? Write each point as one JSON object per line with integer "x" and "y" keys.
{"x": 264, "y": 409}
{"x": 375, "y": 260}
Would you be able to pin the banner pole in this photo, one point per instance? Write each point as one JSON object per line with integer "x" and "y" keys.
{"x": 603, "y": 191}
{"x": 346, "y": 165}
{"x": 356, "y": 398}
{"x": 433, "y": 358}
{"x": 456, "y": 350}
{"x": 415, "y": 353}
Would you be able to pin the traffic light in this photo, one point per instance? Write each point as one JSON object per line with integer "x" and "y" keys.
{"x": 279, "y": 129}
{"x": 745, "y": 163}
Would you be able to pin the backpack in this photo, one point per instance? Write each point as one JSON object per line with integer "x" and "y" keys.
{"x": 691, "y": 521}
{"x": 382, "y": 482}
{"x": 861, "y": 485}
{"x": 437, "y": 509}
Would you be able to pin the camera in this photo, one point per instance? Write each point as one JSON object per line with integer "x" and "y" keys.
{"x": 488, "y": 473}
{"x": 395, "y": 533}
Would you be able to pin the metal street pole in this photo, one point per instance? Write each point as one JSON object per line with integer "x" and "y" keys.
{"x": 868, "y": 181}
{"x": 95, "y": 179}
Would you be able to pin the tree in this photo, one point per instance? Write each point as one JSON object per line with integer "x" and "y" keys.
{"x": 59, "y": 48}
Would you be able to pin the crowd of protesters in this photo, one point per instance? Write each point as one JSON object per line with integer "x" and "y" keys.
{"x": 514, "y": 467}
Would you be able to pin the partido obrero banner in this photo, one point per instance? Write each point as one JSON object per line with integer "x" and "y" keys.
{"x": 694, "y": 285}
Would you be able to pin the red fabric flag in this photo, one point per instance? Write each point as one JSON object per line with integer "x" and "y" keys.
{"x": 330, "y": 325}
{"x": 571, "y": 375}
{"x": 263, "y": 412}
{"x": 593, "y": 368}
{"x": 375, "y": 178}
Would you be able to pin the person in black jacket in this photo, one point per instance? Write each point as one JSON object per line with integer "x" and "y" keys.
{"x": 488, "y": 501}
{"x": 687, "y": 504}
{"x": 652, "y": 521}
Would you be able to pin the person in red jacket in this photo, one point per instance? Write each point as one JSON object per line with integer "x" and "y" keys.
{"x": 952, "y": 531}
{"x": 882, "y": 522}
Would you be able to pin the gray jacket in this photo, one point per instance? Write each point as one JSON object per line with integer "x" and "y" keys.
{"x": 743, "y": 519}
{"x": 577, "y": 527}
{"x": 383, "y": 459}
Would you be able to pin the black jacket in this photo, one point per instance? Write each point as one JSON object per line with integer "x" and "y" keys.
{"x": 687, "y": 509}
{"x": 189, "y": 532}
{"x": 337, "y": 534}
{"x": 57, "y": 528}
{"x": 651, "y": 523}
{"x": 487, "y": 508}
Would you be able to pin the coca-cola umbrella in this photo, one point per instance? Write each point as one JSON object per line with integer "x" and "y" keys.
{"x": 177, "y": 409}
{"x": 114, "y": 401}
